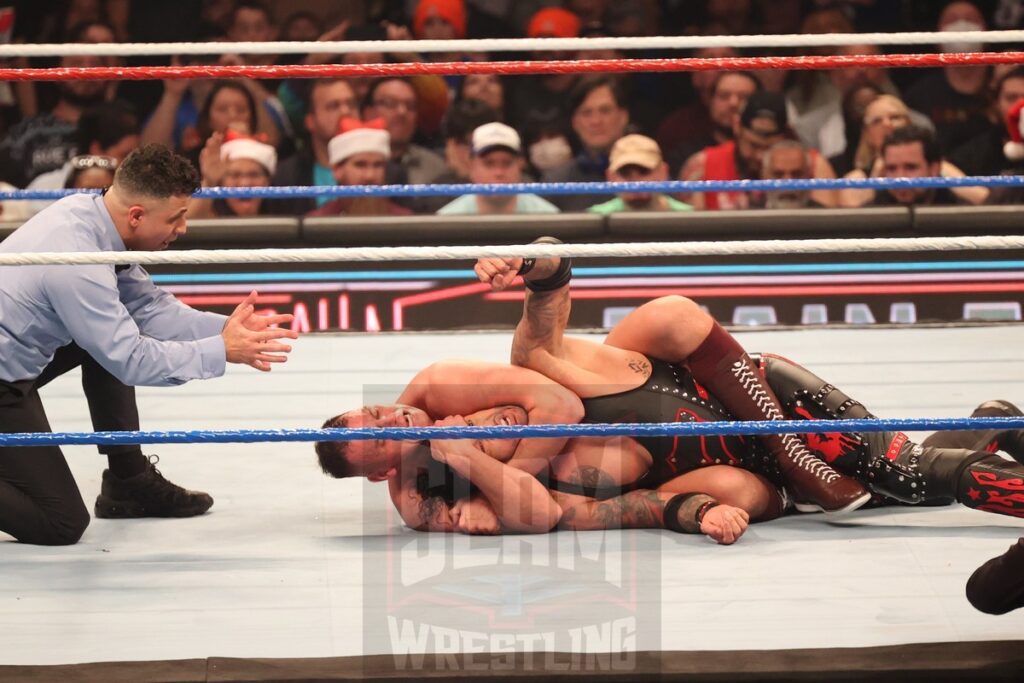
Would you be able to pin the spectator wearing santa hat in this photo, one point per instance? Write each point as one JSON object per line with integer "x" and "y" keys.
{"x": 359, "y": 156}
{"x": 234, "y": 159}
{"x": 1013, "y": 152}
{"x": 984, "y": 154}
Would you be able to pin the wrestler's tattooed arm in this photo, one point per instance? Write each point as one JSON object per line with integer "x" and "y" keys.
{"x": 592, "y": 478}
{"x": 633, "y": 510}
{"x": 542, "y": 326}
{"x": 642, "y": 509}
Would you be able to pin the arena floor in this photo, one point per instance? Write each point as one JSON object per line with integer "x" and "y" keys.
{"x": 290, "y": 564}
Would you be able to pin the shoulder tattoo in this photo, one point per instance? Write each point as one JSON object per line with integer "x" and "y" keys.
{"x": 640, "y": 367}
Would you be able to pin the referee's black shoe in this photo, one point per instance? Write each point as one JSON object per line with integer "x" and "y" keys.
{"x": 148, "y": 494}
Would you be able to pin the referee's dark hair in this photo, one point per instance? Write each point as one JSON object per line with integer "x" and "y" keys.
{"x": 155, "y": 171}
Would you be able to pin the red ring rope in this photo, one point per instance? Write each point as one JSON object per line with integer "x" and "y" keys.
{"x": 139, "y": 73}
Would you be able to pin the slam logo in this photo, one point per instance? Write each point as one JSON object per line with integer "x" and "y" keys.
{"x": 555, "y": 602}
{"x": 563, "y": 601}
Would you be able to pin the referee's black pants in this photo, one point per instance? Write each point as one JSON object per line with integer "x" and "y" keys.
{"x": 39, "y": 500}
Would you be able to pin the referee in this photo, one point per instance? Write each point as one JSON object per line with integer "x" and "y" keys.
{"x": 123, "y": 331}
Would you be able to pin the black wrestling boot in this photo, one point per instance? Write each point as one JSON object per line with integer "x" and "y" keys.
{"x": 1010, "y": 441}
{"x": 148, "y": 495}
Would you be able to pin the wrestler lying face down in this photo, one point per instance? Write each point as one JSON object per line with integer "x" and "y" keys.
{"x": 647, "y": 371}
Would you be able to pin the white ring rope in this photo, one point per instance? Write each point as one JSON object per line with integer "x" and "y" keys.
{"x": 793, "y": 40}
{"x": 452, "y": 253}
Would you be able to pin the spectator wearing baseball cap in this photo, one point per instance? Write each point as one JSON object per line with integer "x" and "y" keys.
{"x": 600, "y": 116}
{"x": 496, "y": 157}
{"x": 761, "y": 124}
{"x": 461, "y": 119}
{"x": 637, "y": 158}
{"x": 359, "y": 156}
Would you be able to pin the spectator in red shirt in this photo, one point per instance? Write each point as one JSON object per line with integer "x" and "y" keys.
{"x": 762, "y": 124}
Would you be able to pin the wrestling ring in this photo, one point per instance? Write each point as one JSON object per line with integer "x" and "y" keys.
{"x": 296, "y": 576}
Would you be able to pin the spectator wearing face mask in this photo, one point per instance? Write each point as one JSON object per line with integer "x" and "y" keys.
{"x": 547, "y": 145}
{"x": 955, "y": 98}
{"x": 984, "y": 153}
{"x": 545, "y": 97}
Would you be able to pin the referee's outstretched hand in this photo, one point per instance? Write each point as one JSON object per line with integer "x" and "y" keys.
{"x": 251, "y": 339}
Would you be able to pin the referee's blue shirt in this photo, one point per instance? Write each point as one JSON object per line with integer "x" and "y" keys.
{"x": 141, "y": 334}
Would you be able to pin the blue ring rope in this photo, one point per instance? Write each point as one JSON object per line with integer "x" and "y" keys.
{"x": 670, "y": 186}
{"x": 509, "y": 432}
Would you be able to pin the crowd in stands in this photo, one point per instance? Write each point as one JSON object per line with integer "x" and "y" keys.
{"x": 856, "y": 122}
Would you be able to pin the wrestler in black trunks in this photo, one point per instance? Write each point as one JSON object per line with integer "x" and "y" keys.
{"x": 894, "y": 468}
{"x": 671, "y": 394}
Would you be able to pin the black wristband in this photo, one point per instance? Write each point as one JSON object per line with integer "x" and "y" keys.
{"x": 529, "y": 263}
{"x": 671, "y": 513}
{"x": 560, "y": 278}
